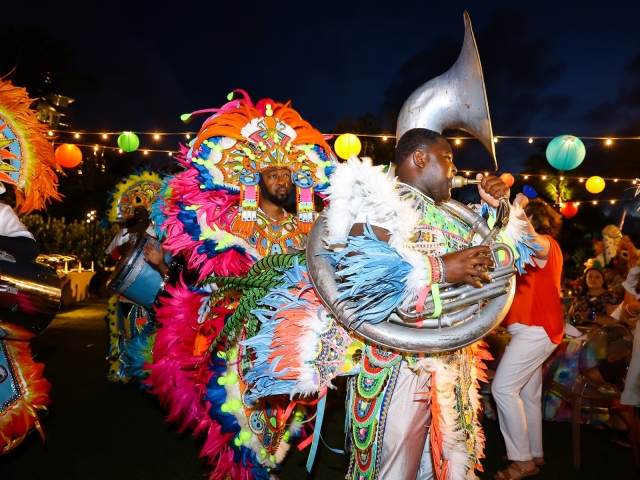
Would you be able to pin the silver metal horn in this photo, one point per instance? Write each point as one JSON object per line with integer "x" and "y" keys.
{"x": 454, "y": 100}
{"x": 468, "y": 314}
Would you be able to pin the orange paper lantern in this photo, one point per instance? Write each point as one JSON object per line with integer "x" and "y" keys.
{"x": 68, "y": 155}
{"x": 569, "y": 209}
{"x": 508, "y": 179}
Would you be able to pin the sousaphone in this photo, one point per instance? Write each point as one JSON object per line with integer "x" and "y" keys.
{"x": 454, "y": 100}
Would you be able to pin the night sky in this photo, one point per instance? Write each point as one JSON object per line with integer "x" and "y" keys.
{"x": 551, "y": 67}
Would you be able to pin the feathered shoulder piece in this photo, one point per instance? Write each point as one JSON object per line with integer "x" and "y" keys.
{"x": 136, "y": 190}
{"x": 27, "y": 160}
{"x": 360, "y": 190}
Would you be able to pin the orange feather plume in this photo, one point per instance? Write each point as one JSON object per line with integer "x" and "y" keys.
{"x": 37, "y": 183}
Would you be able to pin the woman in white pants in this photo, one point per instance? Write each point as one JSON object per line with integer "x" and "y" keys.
{"x": 536, "y": 325}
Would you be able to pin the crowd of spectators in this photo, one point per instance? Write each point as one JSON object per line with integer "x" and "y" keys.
{"x": 608, "y": 297}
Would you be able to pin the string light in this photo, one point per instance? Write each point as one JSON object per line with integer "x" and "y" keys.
{"x": 188, "y": 136}
{"x": 458, "y": 142}
{"x": 467, "y": 173}
{"x": 561, "y": 178}
{"x": 615, "y": 180}
{"x": 146, "y": 152}
{"x": 595, "y": 202}
{"x": 581, "y": 180}
{"x": 119, "y": 150}
{"x": 544, "y": 177}
{"x": 613, "y": 202}
{"x": 156, "y": 136}
{"x": 77, "y": 135}
{"x": 526, "y": 177}
{"x": 50, "y": 133}
{"x": 169, "y": 153}
{"x": 607, "y": 140}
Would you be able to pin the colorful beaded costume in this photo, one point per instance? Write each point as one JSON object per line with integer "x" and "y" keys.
{"x": 236, "y": 258}
{"x": 131, "y": 331}
{"x": 28, "y": 163}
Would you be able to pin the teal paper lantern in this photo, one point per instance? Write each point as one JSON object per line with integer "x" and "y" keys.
{"x": 565, "y": 152}
{"x": 128, "y": 141}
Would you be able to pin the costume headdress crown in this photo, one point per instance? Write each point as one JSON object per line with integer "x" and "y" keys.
{"x": 136, "y": 190}
{"x": 241, "y": 140}
{"x": 454, "y": 100}
{"x": 27, "y": 160}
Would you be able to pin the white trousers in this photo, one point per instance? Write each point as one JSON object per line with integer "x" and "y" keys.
{"x": 406, "y": 451}
{"x": 517, "y": 390}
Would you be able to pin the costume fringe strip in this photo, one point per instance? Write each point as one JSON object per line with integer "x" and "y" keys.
{"x": 29, "y": 389}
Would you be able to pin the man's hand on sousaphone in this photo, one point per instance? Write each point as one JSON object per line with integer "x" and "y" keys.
{"x": 468, "y": 266}
{"x": 491, "y": 189}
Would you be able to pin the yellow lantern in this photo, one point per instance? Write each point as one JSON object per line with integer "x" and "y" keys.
{"x": 346, "y": 145}
{"x": 595, "y": 184}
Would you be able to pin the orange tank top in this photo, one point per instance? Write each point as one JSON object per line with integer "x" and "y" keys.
{"x": 537, "y": 300}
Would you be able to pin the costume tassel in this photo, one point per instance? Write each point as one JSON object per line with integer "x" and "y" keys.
{"x": 306, "y": 213}
{"x": 249, "y": 200}
{"x": 440, "y": 464}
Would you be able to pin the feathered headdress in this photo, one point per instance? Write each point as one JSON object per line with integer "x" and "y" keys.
{"x": 27, "y": 160}
{"x": 136, "y": 190}
{"x": 241, "y": 140}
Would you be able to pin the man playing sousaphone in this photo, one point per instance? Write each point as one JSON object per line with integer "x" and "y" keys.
{"x": 398, "y": 246}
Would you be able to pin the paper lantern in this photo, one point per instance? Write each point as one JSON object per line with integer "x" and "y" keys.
{"x": 595, "y": 184}
{"x": 347, "y": 145}
{"x": 508, "y": 179}
{"x": 68, "y": 155}
{"x": 569, "y": 209}
{"x": 128, "y": 141}
{"x": 565, "y": 152}
{"x": 529, "y": 192}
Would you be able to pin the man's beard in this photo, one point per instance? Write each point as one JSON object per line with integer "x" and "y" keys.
{"x": 279, "y": 200}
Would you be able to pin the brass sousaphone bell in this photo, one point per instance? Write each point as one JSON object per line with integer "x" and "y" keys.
{"x": 454, "y": 100}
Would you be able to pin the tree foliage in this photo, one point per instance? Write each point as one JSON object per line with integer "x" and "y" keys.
{"x": 57, "y": 236}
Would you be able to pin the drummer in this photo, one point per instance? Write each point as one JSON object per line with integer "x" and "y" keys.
{"x": 131, "y": 327}
{"x": 124, "y": 239}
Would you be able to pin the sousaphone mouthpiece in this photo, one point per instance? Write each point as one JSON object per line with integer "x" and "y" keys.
{"x": 457, "y": 182}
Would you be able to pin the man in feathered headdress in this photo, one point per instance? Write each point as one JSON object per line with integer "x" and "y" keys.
{"x": 130, "y": 325}
{"x": 27, "y": 164}
{"x": 225, "y": 214}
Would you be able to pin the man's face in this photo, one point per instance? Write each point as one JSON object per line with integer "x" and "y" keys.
{"x": 438, "y": 172}
{"x": 140, "y": 214}
{"x": 140, "y": 220}
{"x": 279, "y": 185}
